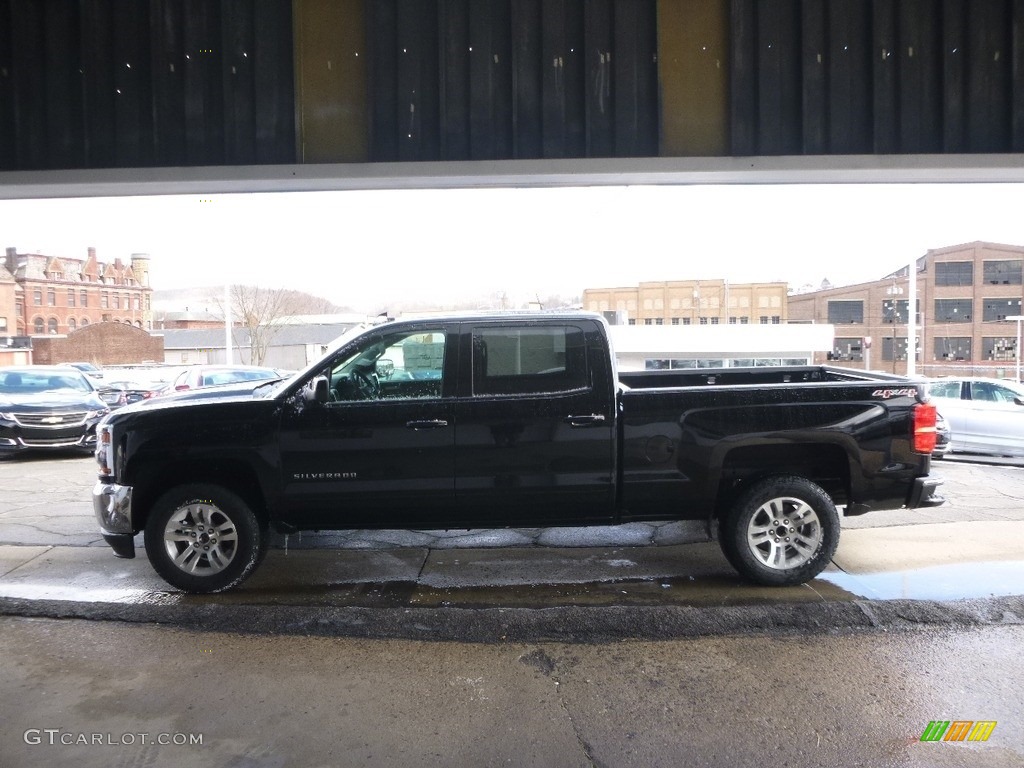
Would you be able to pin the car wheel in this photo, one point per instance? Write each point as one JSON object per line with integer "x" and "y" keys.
{"x": 782, "y": 531}
{"x": 203, "y": 538}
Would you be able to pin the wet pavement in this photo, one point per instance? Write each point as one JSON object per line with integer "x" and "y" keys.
{"x": 929, "y": 563}
{"x": 636, "y": 646}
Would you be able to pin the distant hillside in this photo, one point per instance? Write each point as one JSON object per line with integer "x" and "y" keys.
{"x": 209, "y": 300}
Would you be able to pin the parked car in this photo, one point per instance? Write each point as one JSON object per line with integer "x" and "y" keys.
{"x": 985, "y": 416}
{"x": 48, "y": 407}
{"x": 198, "y": 376}
{"x": 124, "y": 386}
{"x": 943, "y": 434}
{"x": 88, "y": 369}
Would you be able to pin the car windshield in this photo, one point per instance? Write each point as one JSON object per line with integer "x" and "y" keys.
{"x": 27, "y": 382}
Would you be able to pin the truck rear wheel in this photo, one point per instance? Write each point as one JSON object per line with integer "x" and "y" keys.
{"x": 782, "y": 531}
{"x": 203, "y": 538}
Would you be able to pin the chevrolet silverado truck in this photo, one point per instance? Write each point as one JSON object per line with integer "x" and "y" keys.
{"x": 511, "y": 420}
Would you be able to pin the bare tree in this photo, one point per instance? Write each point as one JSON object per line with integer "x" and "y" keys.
{"x": 257, "y": 310}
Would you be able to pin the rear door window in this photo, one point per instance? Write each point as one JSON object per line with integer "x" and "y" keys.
{"x": 530, "y": 360}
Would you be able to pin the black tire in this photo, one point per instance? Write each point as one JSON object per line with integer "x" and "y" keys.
{"x": 203, "y": 538}
{"x": 781, "y": 531}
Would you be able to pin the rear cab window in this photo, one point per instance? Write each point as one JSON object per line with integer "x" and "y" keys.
{"x": 542, "y": 359}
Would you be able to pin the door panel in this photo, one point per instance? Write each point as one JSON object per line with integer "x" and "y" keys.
{"x": 535, "y": 435}
{"x": 380, "y": 452}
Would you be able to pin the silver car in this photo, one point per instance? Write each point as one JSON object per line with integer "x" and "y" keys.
{"x": 985, "y": 415}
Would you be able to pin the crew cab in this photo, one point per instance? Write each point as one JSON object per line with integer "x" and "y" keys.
{"x": 511, "y": 420}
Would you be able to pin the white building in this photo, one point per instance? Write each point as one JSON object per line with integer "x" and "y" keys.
{"x": 656, "y": 347}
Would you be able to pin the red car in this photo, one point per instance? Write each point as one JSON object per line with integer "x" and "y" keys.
{"x": 199, "y": 376}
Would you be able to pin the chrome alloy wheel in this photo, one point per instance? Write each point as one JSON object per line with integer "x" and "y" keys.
{"x": 200, "y": 538}
{"x": 784, "y": 533}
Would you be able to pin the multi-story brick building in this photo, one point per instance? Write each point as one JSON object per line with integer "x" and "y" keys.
{"x": 693, "y": 302}
{"x": 965, "y": 293}
{"x": 46, "y": 295}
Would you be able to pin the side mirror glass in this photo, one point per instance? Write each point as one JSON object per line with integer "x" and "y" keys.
{"x": 317, "y": 391}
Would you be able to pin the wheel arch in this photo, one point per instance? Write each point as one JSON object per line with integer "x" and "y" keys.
{"x": 151, "y": 479}
{"x": 825, "y": 464}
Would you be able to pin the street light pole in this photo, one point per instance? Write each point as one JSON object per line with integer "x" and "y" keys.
{"x": 1016, "y": 352}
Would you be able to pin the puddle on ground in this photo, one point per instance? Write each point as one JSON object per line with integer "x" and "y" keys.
{"x": 957, "y": 581}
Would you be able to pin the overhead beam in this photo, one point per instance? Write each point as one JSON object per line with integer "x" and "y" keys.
{"x": 846, "y": 169}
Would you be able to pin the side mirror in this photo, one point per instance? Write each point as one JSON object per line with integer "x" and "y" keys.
{"x": 385, "y": 368}
{"x": 1019, "y": 400}
{"x": 317, "y": 391}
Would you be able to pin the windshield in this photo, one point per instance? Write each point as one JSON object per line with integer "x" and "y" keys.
{"x": 28, "y": 382}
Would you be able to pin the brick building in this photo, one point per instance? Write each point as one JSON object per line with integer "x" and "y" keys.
{"x": 964, "y": 295}
{"x": 45, "y": 295}
{"x": 693, "y": 302}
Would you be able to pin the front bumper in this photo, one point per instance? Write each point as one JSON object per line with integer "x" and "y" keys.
{"x": 112, "y": 505}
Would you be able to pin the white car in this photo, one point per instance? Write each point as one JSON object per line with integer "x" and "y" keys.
{"x": 985, "y": 415}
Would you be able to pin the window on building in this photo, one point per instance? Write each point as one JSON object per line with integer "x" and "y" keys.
{"x": 744, "y": 320}
{"x": 648, "y": 321}
{"x": 117, "y": 301}
{"x": 656, "y": 365}
{"x": 847, "y": 349}
{"x": 954, "y": 273}
{"x": 1003, "y": 272}
{"x": 995, "y": 310}
{"x": 684, "y": 362}
{"x": 891, "y": 347}
{"x": 845, "y": 312}
{"x": 953, "y": 310}
{"x": 632, "y": 321}
{"x": 999, "y": 348}
{"x": 71, "y": 324}
{"x": 703, "y": 321}
{"x": 51, "y": 325}
{"x": 687, "y": 321}
{"x": 104, "y": 300}
{"x": 659, "y": 321}
{"x": 147, "y": 302}
{"x": 71, "y": 297}
{"x": 763, "y": 320}
{"x": 675, "y": 321}
{"x": 84, "y": 296}
{"x": 135, "y": 303}
{"x": 953, "y": 348}
{"x": 3, "y": 323}
{"x": 714, "y": 321}
{"x": 51, "y": 297}
{"x": 776, "y": 319}
{"x": 85, "y": 322}
{"x": 19, "y": 308}
{"x": 39, "y": 325}
{"x": 895, "y": 311}
{"x": 37, "y": 297}
{"x": 732, "y": 320}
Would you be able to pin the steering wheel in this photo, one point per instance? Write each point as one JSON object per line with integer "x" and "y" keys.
{"x": 367, "y": 385}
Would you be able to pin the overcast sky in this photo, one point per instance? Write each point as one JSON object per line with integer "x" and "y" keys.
{"x": 373, "y": 249}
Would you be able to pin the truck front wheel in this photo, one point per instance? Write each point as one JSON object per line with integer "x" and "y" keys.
{"x": 781, "y": 531}
{"x": 203, "y": 538}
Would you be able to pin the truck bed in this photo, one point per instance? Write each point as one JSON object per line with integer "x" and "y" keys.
{"x": 702, "y": 377}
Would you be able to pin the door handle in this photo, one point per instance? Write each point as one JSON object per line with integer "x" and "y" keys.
{"x": 584, "y": 420}
{"x": 426, "y": 424}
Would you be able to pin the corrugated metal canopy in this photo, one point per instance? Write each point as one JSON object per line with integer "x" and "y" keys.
{"x": 298, "y": 87}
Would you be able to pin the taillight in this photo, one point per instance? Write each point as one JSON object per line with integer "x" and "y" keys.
{"x": 924, "y": 428}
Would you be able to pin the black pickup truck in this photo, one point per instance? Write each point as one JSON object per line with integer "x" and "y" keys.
{"x": 511, "y": 420}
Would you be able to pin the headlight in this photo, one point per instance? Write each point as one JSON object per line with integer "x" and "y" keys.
{"x": 6, "y": 416}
